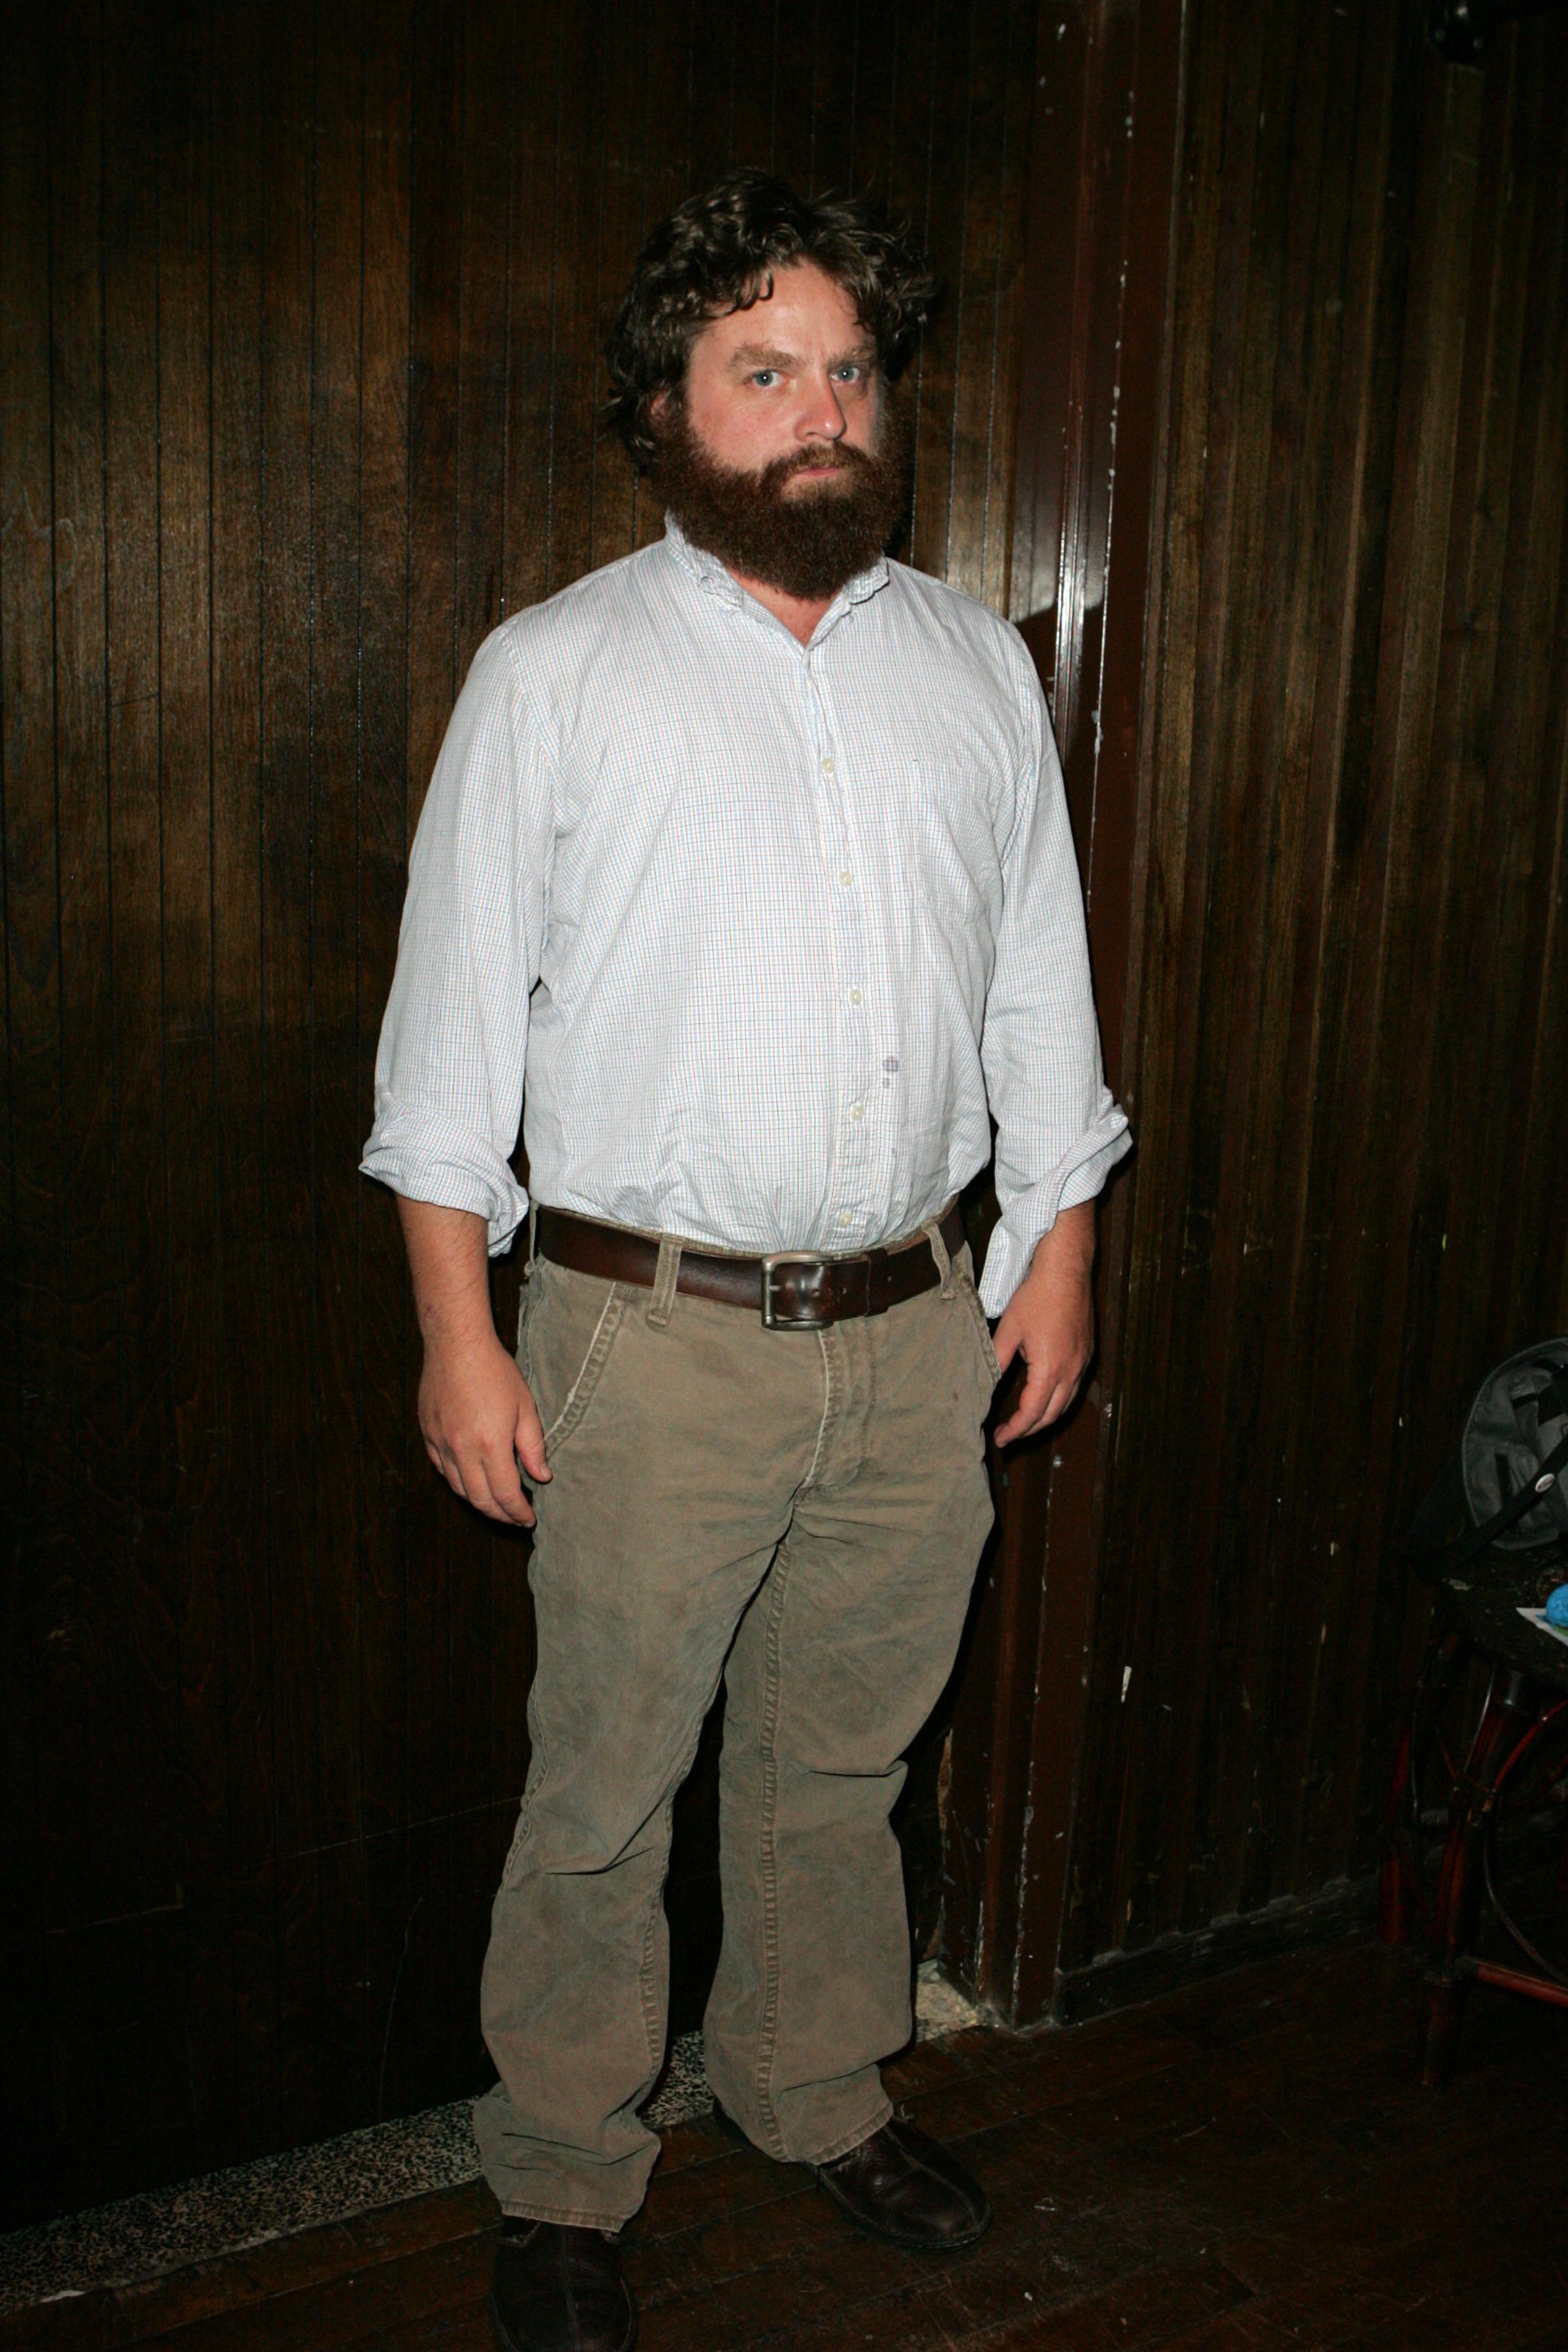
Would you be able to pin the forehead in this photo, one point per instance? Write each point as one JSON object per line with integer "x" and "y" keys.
{"x": 806, "y": 310}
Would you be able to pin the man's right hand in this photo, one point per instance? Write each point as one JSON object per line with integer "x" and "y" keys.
{"x": 478, "y": 1418}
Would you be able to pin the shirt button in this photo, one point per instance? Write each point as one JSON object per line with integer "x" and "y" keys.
{"x": 827, "y": 767}
{"x": 858, "y": 1111}
{"x": 856, "y": 997}
{"x": 847, "y": 877}
{"x": 845, "y": 1218}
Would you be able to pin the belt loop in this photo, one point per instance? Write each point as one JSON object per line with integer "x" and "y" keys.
{"x": 939, "y": 1251}
{"x": 664, "y": 1282}
{"x": 533, "y": 1238}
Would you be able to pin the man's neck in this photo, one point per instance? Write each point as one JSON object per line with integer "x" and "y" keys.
{"x": 800, "y": 614}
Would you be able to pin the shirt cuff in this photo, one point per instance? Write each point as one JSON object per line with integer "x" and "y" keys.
{"x": 426, "y": 1157}
{"x": 1075, "y": 1178}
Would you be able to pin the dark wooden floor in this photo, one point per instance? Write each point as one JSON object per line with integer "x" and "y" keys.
{"x": 1244, "y": 2166}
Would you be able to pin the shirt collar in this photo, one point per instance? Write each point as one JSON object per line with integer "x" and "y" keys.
{"x": 714, "y": 576}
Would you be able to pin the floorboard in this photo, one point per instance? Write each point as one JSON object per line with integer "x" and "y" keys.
{"x": 1247, "y": 2165}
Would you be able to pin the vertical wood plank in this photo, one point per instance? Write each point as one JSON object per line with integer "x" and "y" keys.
{"x": 485, "y": 1563}
{"x": 389, "y": 1450}
{"x": 240, "y": 1562}
{"x": 40, "y": 1630}
{"x": 533, "y": 196}
{"x": 312, "y": 1795}
{"x": 336, "y": 426}
{"x": 189, "y": 1977}
{"x": 142, "y": 1606}
{"x": 90, "y": 1823}
{"x": 432, "y": 1535}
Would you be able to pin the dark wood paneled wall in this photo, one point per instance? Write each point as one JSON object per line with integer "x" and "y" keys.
{"x": 1324, "y": 826}
{"x": 301, "y": 308}
{"x": 1089, "y": 463}
{"x": 1353, "y": 1000}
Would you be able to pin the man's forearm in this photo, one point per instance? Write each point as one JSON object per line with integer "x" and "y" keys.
{"x": 1049, "y": 1321}
{"x": 1066, "y": 1252}
{"x": 448, "y": 1262}
{"x": 475, "y": 1414}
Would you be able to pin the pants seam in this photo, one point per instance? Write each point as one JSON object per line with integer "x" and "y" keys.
{"x": 653, "y": 2025}
{"x": 831, "y": 1398}
{"x": 654, "y": 2039}
{"x": 524, "y": 1351}
{"x": 531, "y": 1796}
{"x": 588, "y": 1378}
{"x": 767, "y": 2035}
{"x": 869, "y": 1419}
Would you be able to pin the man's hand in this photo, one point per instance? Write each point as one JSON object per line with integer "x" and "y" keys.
{"x": 1049, "y": 1321}
{"x": 477, "y": 1416}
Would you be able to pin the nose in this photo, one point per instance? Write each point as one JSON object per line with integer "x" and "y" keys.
{"x": 822, "y": 417}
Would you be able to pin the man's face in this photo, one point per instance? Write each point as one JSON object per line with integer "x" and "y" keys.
{"x": 794, "y": 376}
{"x": 782, "y": 453}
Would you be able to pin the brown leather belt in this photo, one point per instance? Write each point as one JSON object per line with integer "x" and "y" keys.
{"x": 792, "y": 1290}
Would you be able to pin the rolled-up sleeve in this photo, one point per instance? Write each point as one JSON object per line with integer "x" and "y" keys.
{"x": 449, "y": 1070}
{"x": 1059, "y": 1132}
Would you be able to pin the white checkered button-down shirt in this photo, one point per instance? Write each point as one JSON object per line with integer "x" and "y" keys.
{"x": 753, "y": 932}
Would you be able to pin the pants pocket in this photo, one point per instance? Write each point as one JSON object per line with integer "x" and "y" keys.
{"x": 579, "y": 1395}
{"x": 982, "y": 1329}
{"x": 526, "y": 1305}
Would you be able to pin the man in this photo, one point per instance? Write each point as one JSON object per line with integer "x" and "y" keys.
{"x": 746, "y": 871}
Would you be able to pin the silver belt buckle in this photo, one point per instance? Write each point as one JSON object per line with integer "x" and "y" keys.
{"x": 772, "y": 1322}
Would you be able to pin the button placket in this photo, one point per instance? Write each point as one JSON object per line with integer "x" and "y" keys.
{"x": 859, "y": 1075}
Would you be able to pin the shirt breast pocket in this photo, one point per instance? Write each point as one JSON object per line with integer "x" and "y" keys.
{"x": 954, "y": 863}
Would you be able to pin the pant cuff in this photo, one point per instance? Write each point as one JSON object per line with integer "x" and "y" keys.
{"x": 566, "y": 2217}
{"x": 861, "y": 2133}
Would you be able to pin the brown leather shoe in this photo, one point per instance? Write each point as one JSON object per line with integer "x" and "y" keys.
{"x": 905, "y": 2187}
{"x": 560, "y": 2290}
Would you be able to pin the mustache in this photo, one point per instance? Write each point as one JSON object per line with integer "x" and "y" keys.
{"x": 840, "y": 456}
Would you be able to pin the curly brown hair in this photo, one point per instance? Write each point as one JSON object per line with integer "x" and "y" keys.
{"x": 718, "y": 254}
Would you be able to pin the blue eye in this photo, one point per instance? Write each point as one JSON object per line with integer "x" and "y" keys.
{"x": 764, "y": 375}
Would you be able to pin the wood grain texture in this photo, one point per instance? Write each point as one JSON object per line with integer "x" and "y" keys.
{"x": 1341, "y": 971}
{"x": 301, "y": 326}
{"x": 1089, "y": 459}
{"x": 1235, "y": 2169}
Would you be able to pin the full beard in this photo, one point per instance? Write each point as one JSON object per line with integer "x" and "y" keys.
{"x": 805, "y": 542}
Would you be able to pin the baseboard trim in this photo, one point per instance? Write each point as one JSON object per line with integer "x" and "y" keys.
{"x": 1345, "y": 1908}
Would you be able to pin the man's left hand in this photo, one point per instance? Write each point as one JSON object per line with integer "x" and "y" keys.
{"x": 1049, "y": 1321}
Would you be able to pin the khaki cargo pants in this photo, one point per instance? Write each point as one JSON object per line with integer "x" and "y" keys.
{"x": 800, "y": 1512}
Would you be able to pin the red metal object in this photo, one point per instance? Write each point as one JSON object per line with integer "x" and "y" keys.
{"x": 1520, "y": 1714}
{"x": 1534, "y": 1987}
{"x": 1396, "y": 1884}
{"x": 1456, "y": 1909}
{"x": 1400, "y": 1893}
